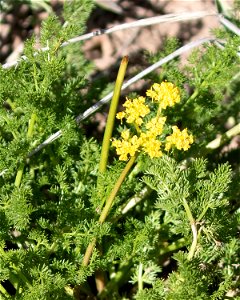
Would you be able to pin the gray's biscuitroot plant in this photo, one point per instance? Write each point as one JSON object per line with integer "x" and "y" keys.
{"x": 152, "y": 212}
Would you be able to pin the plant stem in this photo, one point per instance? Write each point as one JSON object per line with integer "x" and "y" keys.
{"x": 203, "y": 213}
{"x": 194, "y": 242}
{"x": 88, "y": 253}
{"x": 21, "y": 275}
{"x": 107, "y": 207}
{"x": 14, "y": 275}
{"x": 121, "y": 276}
{"x": 140, "y": 282}
{"x": 31, "y": 125}
{"x": 197, "y": 91}
{"x": 226, "y": 136}
{"x": 35, "y": 77}
{"x": 193, "y": 227}
{"x": 173, "y": 246}
{"x": 4, "y": 292}
{"x": 188, "y": 211}
{"x": 116, "y": 188}
{"x": 111, "y": 115}
{"x": 100, "y": 280}
{"x": 105, "y": 152}
{"x": 29, "y": 135}
{"x": 193, "y": 96}
{"x": 19, "y": 175}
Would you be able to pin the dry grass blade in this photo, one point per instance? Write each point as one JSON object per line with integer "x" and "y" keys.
{"x": 168, "y": 18}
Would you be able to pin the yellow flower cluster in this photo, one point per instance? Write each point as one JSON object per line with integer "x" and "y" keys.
{"x": 146, "y": 141}
{"x": 147, "y": 137}
{"x": 155, "y": 126}
{"x": 150, "y": 145}
{"x": 181, "y": 139}
{"x": 166, "y": 94}
{"x": 135, "y": 110}
{"x": 127, "y": 146}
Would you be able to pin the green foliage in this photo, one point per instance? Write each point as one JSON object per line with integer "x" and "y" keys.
{"x": 204, "y": 191}
{"x": 178, "y": 239}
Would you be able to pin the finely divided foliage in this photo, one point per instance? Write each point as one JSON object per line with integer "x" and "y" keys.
{"x": 65, "y": 232}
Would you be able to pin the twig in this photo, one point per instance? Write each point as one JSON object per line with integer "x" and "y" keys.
{"x": 168, "y": 18}
{"x": 226, "y": 136}
{"x": 232, "y": 27}
{"x": 48, "y": 141}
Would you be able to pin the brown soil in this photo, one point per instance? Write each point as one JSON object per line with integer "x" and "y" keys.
{"x": 22, "y": 21}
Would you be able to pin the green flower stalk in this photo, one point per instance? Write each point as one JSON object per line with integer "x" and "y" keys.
{"x": 105, "y": 149}
{"x": 111, "y": 116}
{"x": 107, "y": 207}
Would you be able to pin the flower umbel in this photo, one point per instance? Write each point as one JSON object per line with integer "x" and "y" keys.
{"x": 179, "y": 139}
{"x": 148, "y": 136}
{"x": 166, "y": 94}
{"x": 135, "y": 110}
{"x": 150, "y": 144}
{"x": 126, "y": 147}
{"x": 155, "y": 125}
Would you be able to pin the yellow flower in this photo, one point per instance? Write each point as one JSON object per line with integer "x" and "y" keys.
{"x": 155, "y": 125}
{"x": 135, "y": 110}
{"x": 152, "y": 148}
{"x": 149, "y": 141}
{"x": 150, "y": 145}
{"x": 125, "y": 134}
{"x": 120, "y": 115}
{"x": 179, "y": 139}
{"x": 166, "y": 94}
{"x": 126, "y": 147}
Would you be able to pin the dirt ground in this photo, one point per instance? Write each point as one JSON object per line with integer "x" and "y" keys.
{"x": 105, "y": 49}
{"x": 21, "y": 21}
